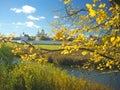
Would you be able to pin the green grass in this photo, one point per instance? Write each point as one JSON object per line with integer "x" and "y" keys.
{"x": 35, "y": 76}
{"x": 49, "y": 47}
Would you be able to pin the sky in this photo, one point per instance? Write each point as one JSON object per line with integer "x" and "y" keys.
{"x": 29, "y": 16}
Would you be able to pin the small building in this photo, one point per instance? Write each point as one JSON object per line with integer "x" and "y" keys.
{"x": 24, "y": 37}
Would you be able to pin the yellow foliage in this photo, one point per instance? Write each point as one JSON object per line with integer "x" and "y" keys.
{"x": 89, "y": 6}
{"x": 104, "y": 48}
{"x": 112, "y": 39}
{"x": 95, "y": 1}
{"x": 27, "y": 53}
{"x": 92, "y": 13}
{"x": 67, "y": 1}
{"x": 84, "y": 53}
{"x": 102, "y": 5}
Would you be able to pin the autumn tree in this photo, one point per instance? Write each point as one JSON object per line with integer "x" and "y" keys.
{"x": 99, "y": 19}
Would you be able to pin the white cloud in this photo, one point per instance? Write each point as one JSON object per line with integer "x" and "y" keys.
{"x": 41, "y": 17}
{"x": 29, "y": 24}
{"x": 25, "y": 9}
{"x": 16, "y": 10}
{"x": 19, "y": 23}
{"x": 35, "y": 18}
{"x": 32, "y": 18}
{"x": 56, "y": 17}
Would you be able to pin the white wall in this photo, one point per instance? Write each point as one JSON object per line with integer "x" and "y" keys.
{"x": 46, "y": 42}
{"x": 40, "y": 42}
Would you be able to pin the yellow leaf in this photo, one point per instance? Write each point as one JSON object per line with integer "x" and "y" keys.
{"x": 95, "y": 1}
{"x": 92, "y": 13}
{"x": 89, "y": 6}
{"x": 102, "y": 5}
{"x": 84, "y": 53}
{"x": 67, "y": 1}
{"x": 112, "y": 39}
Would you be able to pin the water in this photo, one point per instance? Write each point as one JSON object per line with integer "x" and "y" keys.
{"x": 111, "y": 79}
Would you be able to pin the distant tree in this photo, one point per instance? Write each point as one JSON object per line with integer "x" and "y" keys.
{"x": 42, "y": 38}
{"x": 32, "y": 37}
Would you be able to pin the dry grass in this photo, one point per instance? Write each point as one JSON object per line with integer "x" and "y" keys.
{"x": 75, "y": 59}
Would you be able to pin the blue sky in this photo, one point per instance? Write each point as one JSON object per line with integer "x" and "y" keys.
{"x": 29, "y": 16}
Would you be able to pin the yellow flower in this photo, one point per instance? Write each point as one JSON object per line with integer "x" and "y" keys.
{"x": 31, "y": 49}
{"x": 67, "y": 1}
{"x": 107, "y": 64}
{"x": 95, "y": 1}
{"x": 92, "y": 13}
{"x": 84, "y": 53}
{"x": 102, "y": 5}
{"x": 112, "y": 39}
{"x": 89, "y": 6}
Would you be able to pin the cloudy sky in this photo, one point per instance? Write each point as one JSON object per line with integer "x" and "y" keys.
{"x": 27, "y": 15}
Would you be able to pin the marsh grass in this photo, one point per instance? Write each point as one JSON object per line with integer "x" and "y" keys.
{"x": 35, "y": 76}
{"x": 75, "y": 60}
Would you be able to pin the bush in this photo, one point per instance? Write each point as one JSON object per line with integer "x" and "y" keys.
{"x": 35, "y": 76}
{"x": 6, "y": 56}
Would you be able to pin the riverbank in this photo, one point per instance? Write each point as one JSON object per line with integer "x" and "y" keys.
{"x": 107, "y": 78}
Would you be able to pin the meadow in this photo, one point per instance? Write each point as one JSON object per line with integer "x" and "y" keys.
{"x": 48, "y": 47}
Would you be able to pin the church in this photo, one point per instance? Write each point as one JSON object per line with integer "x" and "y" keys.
{"x": 40, "y": 33}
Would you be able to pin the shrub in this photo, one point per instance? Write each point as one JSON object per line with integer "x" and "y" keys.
{"x": 35, "y": 76}
{"x": 6, "y": 56}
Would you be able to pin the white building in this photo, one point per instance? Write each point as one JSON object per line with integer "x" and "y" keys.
{"x": 24, "y": 37}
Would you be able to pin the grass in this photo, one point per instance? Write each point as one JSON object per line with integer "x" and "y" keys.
{"x": 35, "y": 76}
{"x": 74, "y": 60}
{"x": 49, "y": 47}
{"x": 42, "y": 46}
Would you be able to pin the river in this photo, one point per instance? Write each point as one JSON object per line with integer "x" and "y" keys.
{"x": 111, "y": 79}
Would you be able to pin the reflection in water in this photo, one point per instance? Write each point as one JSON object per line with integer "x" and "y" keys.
{"x": 110, "y": 79}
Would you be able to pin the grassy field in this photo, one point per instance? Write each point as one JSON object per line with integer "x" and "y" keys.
{"x": 42, "y": 46}
{"x": 49, "y": 47}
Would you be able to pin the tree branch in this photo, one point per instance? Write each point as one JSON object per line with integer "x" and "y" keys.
{"x": 79, "y": 49}
{"x": 97, "y": 53}
{"x": 28, "y": 43}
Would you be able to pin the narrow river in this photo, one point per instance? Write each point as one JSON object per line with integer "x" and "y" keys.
{"x": 109, "y": 79}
